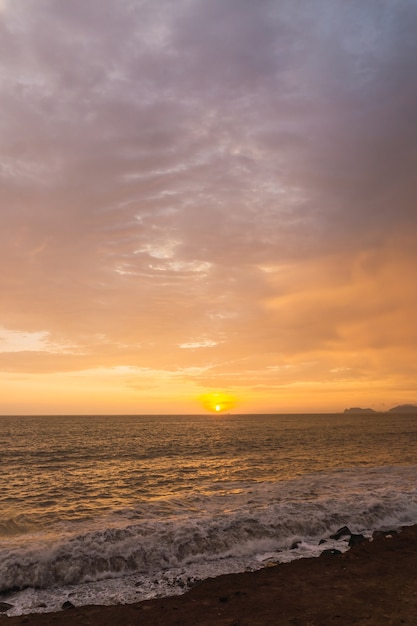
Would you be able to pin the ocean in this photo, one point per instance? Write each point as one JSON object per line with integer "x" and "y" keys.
{"x": 117, "y": 509}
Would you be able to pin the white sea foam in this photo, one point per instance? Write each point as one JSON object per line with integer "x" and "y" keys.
{"x": 159, "y": 547}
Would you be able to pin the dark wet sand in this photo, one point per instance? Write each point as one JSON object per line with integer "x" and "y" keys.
{"x": 375, "y": 583}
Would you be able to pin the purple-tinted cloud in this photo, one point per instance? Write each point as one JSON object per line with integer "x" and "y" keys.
{"x": 239, "y": 173}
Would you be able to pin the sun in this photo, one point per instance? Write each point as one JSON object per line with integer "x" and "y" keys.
{"x": 218, "y": 402}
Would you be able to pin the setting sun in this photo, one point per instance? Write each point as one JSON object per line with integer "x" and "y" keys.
{"x": 218, "y": 402}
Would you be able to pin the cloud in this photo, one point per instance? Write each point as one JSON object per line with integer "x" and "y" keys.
{"x": 238, "y": 171}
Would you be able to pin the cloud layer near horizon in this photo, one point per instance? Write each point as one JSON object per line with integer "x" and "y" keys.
{"x": 220, "y": 192}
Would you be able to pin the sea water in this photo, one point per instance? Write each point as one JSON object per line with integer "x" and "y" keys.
{"x": 116, "y": 509}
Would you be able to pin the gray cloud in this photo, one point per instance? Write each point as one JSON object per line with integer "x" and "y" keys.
{"x": 170, "y": 172}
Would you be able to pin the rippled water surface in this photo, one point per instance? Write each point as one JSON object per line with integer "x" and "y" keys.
{"x": 105, "y": 498}
{"x": 73, "y": 467}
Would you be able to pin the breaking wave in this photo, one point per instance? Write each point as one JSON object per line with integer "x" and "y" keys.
{"x": 243, "y": 527}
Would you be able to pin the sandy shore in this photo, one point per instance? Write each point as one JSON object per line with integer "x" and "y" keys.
{"x": 375, "y": 583}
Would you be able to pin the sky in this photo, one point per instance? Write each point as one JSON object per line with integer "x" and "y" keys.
{"x": 207, "y": 197}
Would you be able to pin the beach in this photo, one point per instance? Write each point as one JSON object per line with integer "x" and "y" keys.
{"x": 373, "y": 583}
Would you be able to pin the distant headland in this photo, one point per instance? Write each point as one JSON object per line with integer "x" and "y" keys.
{"x": 402, "y": 408}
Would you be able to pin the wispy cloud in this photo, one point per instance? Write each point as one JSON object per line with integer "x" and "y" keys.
{"x": 233, "y": 178}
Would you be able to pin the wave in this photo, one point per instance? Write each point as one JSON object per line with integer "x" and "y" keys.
{"x": 245, "y": 526}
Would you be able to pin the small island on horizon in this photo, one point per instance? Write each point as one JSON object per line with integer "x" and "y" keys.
{"x": 402, "y": 408}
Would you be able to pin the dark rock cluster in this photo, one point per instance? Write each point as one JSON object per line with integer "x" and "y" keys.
{"x": 354, "y": 539}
